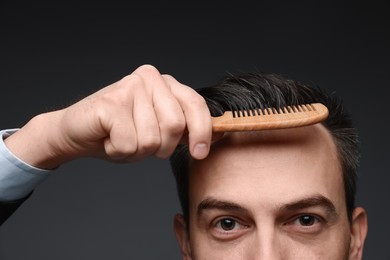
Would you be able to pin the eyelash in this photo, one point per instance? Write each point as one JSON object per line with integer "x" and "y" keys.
{"x": 294, "y": 225}
{"x": 315, "y": 226}
{"x": 230, "y": 220}
{"x": 238, "y": 228}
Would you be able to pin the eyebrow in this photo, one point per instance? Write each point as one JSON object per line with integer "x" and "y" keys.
{"x": 211, "y": 203}
{"x": 303, "y": 203}
{"x": 312, "y": 201}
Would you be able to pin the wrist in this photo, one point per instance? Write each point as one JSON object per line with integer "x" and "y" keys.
{"x": 35, "y": 143}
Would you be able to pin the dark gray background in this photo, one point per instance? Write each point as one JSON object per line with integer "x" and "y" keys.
{"x": 52, "y": 55}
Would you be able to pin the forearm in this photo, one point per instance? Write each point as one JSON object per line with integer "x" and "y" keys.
{"x": 35, "y": 142}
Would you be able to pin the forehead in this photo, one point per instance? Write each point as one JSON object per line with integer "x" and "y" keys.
{"x": 271, "y": 165}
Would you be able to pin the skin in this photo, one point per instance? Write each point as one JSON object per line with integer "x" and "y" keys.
{"x": 143, "y": 114}
{"x": 276, "y": 194}
{"x": 250, "y": 181}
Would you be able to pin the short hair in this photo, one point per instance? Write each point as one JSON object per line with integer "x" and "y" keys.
{"x": 248, "y": 90}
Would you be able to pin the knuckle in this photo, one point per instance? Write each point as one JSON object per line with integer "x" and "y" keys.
{"x": 125, "y": 90}
{"x": 127, "y": 149}
{"x": 131, "y": 81}
{"x": 173, "y": 125}
{"x": 164, "y": 153}
{"x": 122, "y": 151}
{"x": 168, "y": 77}
{"x": 149, "y": 144}
{"x": 147, "y": 70}
{"x": 196, "y": 100}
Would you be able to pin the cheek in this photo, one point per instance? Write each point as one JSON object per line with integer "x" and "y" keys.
{"x": 204, "y": 247}
{"x": 332, "y": 245}
{"x": 323, "y": 252}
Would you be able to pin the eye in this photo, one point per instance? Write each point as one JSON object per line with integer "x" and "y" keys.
{"x": 227, "y": 224}
{"x": 228, "y": 228}
{"x": 307, "y": 223}
{"x": 307, "y": 220}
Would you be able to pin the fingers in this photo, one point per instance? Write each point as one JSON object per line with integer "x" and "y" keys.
{"x": 114, "y": 109}
{"x": 197, "y": 116}
{"x": 168, "y": 112}
{"x": 145, "y": 122}
{"x": 149, "y": 114}
{"x": 140, "y": 123}
{"x": 115, "y": 146}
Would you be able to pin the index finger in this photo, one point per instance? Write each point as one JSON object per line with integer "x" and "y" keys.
{"x": 197, "y": 116}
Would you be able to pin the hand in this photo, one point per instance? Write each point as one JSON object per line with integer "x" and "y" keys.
{"x": 143, "y": 114}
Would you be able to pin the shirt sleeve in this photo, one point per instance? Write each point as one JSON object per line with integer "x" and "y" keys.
{"x": 17, "y": 178}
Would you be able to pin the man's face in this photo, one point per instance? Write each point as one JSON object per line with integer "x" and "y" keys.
{"x": 269, "y": 195}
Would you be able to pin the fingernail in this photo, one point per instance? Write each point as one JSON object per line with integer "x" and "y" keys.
{"x": 200, "y": 151}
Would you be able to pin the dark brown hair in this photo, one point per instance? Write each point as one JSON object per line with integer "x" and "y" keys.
{"x": 246, "y": 91}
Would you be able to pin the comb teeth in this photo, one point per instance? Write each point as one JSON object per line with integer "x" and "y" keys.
{"x": 270, "y": 118}
{"x": 273, "y": 111}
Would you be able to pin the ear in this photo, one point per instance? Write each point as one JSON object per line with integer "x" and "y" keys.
{"x": 358, "y": 233}
{"x": 182, "y": 236}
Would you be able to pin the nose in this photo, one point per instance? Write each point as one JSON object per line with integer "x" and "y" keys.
{"x": 266, "y": 245}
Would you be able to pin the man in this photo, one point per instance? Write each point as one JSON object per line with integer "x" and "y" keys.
{"x": 274, "y": 194}
{"x": 271, "y": 194}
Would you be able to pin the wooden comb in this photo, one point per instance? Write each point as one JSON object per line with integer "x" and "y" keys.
{"x": 270, "y": 118}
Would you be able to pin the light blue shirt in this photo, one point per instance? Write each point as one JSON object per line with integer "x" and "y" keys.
{"x": 17, "y": 178}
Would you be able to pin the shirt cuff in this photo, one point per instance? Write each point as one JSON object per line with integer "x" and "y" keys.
{"x": 17, "y": 178}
